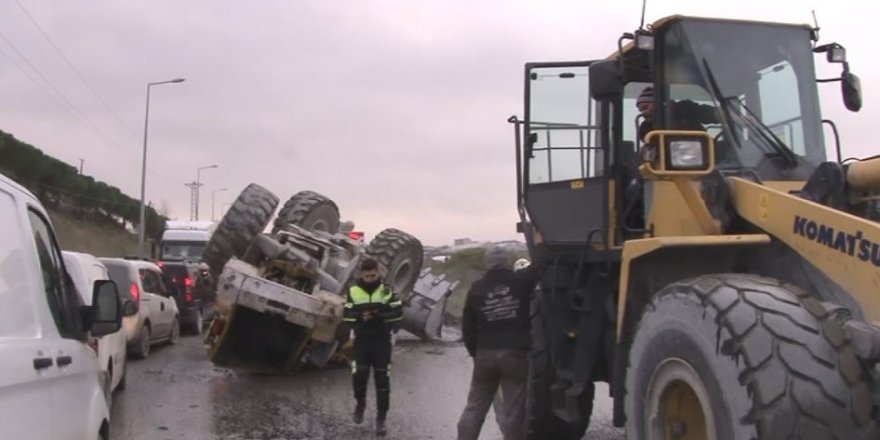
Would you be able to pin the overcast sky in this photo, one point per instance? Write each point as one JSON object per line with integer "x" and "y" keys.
{"x": 395, "y": 109}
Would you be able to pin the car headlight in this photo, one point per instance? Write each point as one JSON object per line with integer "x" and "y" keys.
{"x": 686, "y": 154}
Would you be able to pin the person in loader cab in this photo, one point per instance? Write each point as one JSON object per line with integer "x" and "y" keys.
{"x": 686, "y": 115}
{"x": 495, "y": 330}
{"x": 374, "y": 312}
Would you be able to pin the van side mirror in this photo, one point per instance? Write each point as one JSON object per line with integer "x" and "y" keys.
{"x": 851, "y": 88}
{"x": 106, "y": 309}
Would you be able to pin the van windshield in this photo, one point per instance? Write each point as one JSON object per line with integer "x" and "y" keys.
{"x": 182, "y": 250}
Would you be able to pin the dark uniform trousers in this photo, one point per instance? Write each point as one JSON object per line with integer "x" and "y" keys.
{"x": 375, "y": 353}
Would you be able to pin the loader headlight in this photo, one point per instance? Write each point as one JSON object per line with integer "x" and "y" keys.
{"x": 686, "y": 154}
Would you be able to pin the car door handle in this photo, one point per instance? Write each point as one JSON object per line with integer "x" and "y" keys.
{"x": 64, "y": 361}
{"x": 42, "y": 363}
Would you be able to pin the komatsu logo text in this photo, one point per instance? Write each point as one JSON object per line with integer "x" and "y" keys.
{"x": 854, "y": 245}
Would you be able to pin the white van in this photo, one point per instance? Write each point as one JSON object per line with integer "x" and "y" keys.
{"x": 50, "y": 380}
{"x": 85, "y": 269}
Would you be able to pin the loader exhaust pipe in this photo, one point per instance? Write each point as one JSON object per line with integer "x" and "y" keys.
{"x": 864, "y": 175}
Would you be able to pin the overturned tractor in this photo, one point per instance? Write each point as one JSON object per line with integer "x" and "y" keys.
{"x": 280, "y": 295}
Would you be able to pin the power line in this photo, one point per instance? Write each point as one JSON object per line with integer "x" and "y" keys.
{"x": 69, "y": 106}
{"x": 47, "y": 88}
{"x": 74, "y": 69}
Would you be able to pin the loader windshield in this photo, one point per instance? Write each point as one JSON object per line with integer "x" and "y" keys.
{"x": 760, "y": 78}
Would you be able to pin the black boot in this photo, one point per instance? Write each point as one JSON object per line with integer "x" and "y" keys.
{"x": 358, "y": 416}
{"x": 380, "y": 425}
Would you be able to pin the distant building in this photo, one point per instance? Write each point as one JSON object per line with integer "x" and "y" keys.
{"x": 462, "y": 241}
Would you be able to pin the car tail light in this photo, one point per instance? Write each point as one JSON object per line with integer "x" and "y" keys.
{"x": 161, "y": 265}
{"x": 188, "y": 283}
{"x": 135, "y": 292}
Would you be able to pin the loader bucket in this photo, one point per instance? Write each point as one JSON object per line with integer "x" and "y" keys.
{"x": 424, "y": 309}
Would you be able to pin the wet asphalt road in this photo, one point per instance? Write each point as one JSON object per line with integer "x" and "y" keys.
{"x": 177, "y": 393}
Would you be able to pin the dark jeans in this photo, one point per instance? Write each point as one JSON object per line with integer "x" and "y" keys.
{"x": 508, "y": 369}
{"x": 375, "y": 353}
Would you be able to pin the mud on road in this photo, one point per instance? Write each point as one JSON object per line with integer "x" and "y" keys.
{"x": 177, "y": 393}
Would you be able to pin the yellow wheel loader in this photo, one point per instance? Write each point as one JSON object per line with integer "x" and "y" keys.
{"x": 715, "y": 267}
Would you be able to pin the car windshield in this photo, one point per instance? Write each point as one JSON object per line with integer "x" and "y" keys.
{"x": 183, "y": 250}
{"x": 766, "y": 94}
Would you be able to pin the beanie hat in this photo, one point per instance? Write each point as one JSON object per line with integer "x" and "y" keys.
{"x": 647, "y": 96}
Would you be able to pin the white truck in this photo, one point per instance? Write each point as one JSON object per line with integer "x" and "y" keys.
{"x": 51, "y": 386}
{"x": 180, "y": 258}
{"x": 280, "y": 295}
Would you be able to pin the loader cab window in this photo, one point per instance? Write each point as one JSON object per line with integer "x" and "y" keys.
{"x": 563, "y": 125}
{"x": 780, "y": 104}
{"x": 761, "y": 79}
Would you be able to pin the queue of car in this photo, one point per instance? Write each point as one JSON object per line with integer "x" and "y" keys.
{"x": 69, "y": 322}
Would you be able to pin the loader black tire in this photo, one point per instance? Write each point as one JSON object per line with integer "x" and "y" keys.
{"x": 752, "y": 357}
{"x": 244, "y": 221}
{"x": 541, "y": 422}
{"x": 402, "y": 255}
{"x": 309, "y": 210}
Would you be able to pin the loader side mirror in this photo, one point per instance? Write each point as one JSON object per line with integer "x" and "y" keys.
{"x": 606, "y": 80}
{"x": 851, "y": 88}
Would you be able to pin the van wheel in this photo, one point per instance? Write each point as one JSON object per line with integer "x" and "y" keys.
{"x": 142, "y": 349}
{"x": 174, "y": 336}
{"x": 737, "y": 357}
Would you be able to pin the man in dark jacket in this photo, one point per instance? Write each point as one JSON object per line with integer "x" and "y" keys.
{"x": 495, "y": 330}
{"x": 373, "y": 311}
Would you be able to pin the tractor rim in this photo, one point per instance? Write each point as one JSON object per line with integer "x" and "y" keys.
{"x": 678, "y": 405}
{"x": 320, "y": 225}
{"x": 401, "y": 275}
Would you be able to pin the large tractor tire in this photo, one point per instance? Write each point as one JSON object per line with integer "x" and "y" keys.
{"x": 244, "y": 221}
{"x": 741, "y": 357}
{"x": 401, "y": 254}
{"x": 309, "y": 210}
{"x": 541, "y": 421}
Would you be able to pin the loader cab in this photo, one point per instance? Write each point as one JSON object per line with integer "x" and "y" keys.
{"x": 580, "y": 180}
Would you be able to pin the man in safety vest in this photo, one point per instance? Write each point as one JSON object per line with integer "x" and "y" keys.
{"x": 373, "y": 311}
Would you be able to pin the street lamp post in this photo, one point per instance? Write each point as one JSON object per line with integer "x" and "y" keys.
{"x": 142, "y": 226}
{"x": 213, "y": 200}
{"x": 199, "y": 184}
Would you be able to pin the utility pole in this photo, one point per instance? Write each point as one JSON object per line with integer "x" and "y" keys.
{"x": 193, "y": 199}
{"x": 198, "y": 185}
{"x": 81, "y": 162}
